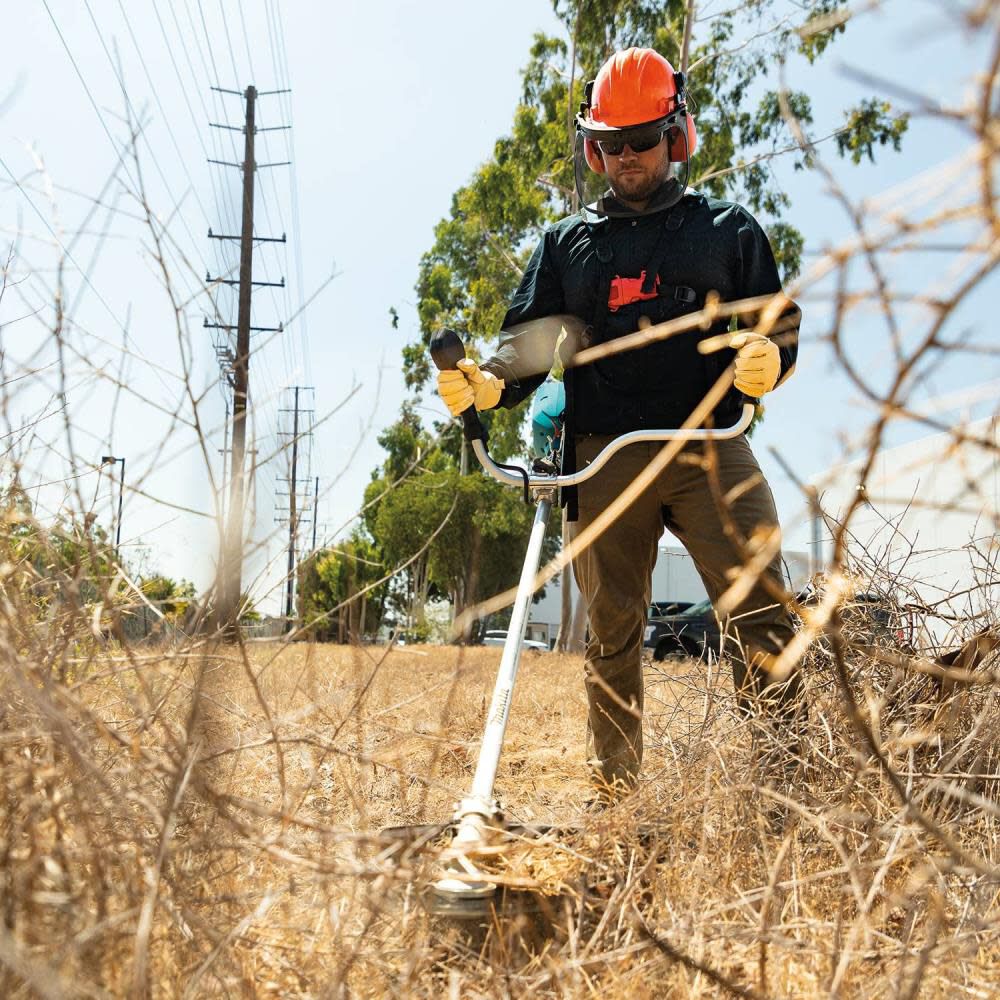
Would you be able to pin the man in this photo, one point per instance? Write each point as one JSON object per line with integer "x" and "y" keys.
{"x": 646, "y": 249}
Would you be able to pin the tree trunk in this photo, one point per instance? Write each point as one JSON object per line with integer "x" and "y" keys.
{"x": 350, "y": 608}
{"x": 352, "y": 620}
{"x": 470, "y": 588}
{"x": 421, "y": 585}
{"x": 382, "y": 601}
{"x": 577, "y": 636}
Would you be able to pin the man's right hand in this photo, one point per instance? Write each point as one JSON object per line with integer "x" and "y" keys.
{"x": 467, "y": 385}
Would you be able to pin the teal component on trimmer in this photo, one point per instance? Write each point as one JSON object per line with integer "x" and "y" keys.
{"x": 547, "y": 410}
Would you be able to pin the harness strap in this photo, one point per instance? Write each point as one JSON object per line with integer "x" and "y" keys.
{"x": 598, "y": 327}
{"x": 605, "y": 279}
{"x": 673, "y": 222}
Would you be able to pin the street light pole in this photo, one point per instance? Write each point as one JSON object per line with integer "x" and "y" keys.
{"x": 111, "y": 460}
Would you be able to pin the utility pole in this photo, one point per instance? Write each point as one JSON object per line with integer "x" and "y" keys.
{"x": 225, "y": 458}
{"x": 241, "y": 382}
{"x": 292, "y": 516}
{"x": 237, "y": 367}
{"x": 111, "y": 460}
{"x": 294, "y": 504}
{"x": 315, "y": 514}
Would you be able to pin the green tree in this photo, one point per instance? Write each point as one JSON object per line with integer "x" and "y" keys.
{"x": 172, "y": 597}
{"x": 248, "y": 613}
{"x": 480, "y": 551}
{"x": 458, "y": 536}
{"x": 338, "y": 587}
{"x": 407, "y": 520}
{"x": 467, "y": 276}
{"x": 71, "y": 562}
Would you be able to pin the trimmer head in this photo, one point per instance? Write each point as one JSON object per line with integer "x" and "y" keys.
{"x": 502, "y": 902}
{"x": 462, "y": 889}
{"x": 463, "y": 884}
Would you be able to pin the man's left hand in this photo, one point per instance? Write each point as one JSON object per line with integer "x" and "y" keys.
{"x": 758, "y": 364}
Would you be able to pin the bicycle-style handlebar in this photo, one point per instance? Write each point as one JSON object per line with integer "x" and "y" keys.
{"x": 447, "y": 350}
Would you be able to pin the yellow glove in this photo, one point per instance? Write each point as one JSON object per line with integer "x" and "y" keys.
{"x": 467, "y": 385}
{"x": 758, "y": 364}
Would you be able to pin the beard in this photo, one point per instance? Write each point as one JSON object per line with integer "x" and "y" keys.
{"x": 639, "y": 186}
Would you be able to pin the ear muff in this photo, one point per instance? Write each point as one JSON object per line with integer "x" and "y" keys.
{"x": 678, "y": 151}
{"x": 594, "y": 159}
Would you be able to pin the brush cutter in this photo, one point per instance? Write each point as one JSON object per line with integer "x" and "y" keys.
{"x": 478, "y": 822}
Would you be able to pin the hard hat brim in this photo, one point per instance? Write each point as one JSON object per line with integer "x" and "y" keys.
{"x": 599, "y": 131}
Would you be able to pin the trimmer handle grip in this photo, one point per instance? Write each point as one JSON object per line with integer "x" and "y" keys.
{"x": 447, "y": 350}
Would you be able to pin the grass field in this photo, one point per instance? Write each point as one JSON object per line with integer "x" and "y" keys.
{"x": 205, "y": 823}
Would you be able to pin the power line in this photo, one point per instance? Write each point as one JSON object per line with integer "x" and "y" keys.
{"x": 121, "y": 326}
{"x": 290, "y": 351}
{"x": 132, "y": 113}
{"x": 296, "y": 222}
{"x": 246, "y": 40}
{"x": 208, "y": 41}
{"x": 229, "y": 42}
{"x": 144, "y": 63}
{"x": 210, "y": 77}
{"x": 223, "y": 205}
{"x": 100, "y": 116}
{"x": 293, "y": 365}
{"x": 226, "y": 263}
{"x": 217, "y": 97}
{"x": 156, "y": 96}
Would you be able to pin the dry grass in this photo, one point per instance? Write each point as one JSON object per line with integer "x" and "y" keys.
{"x": 205, "y": 824}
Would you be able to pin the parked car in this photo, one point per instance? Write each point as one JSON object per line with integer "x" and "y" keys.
{"x": 498, "y": 636}
{"x": 868, "y": 617}
{"x": 692, "y": 632}
{"x": 872, "y": 619}
{"x": 659, "y": 609}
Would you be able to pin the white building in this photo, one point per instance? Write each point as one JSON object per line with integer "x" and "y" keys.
{"x": 928, "y": 518}
{"x": 675, "y": 578}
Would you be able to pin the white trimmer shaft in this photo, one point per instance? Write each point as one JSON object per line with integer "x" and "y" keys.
{"x": 478, "y": 813}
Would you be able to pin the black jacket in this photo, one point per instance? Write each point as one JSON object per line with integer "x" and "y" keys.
{"x": 700, "y": 245}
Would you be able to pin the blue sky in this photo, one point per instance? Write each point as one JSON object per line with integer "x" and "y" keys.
{"x": 393, "y": 106}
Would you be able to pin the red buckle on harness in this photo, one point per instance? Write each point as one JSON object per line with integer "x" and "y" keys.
{"x": 625, "y": 291}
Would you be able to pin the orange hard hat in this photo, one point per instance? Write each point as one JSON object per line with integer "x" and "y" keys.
{"x": 636, "y": 88}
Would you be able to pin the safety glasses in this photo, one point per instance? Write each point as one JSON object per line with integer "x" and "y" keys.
{"x": 638, "y": 142}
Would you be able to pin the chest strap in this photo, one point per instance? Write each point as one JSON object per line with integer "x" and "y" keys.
{"x": 625, "y": 291}
{"x": 651, "y": 275}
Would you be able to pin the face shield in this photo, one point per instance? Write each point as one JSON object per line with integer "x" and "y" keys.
{"x": 595, "y": 189}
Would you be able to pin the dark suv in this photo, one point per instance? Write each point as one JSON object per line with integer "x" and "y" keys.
{"x": 692, "y": 632}
{"x": 871, "y": 618}
{"x": 660, "y": 609}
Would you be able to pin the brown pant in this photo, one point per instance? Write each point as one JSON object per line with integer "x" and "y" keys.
{"x": 614, "y": 575}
